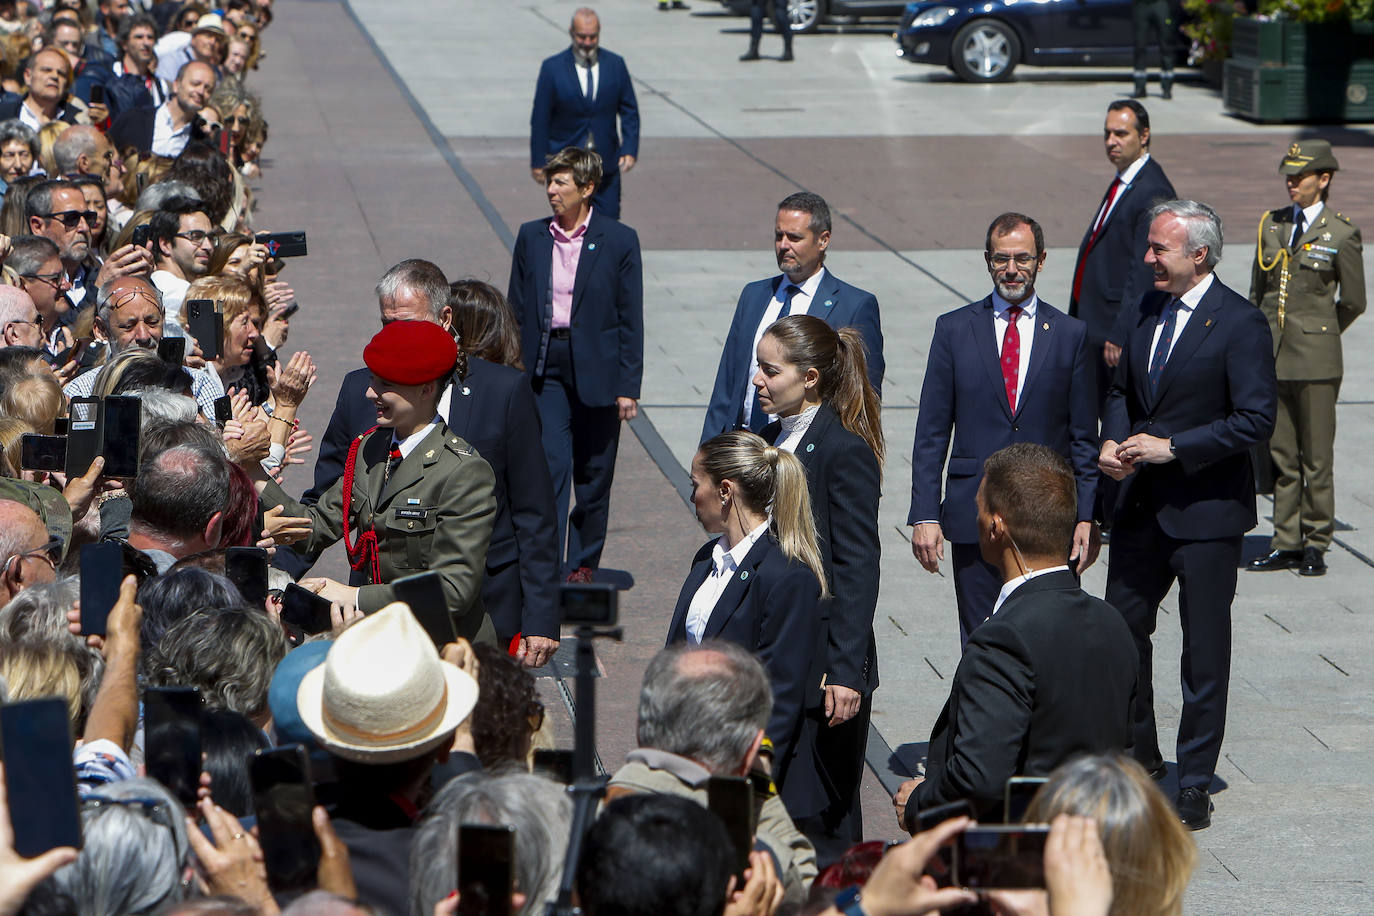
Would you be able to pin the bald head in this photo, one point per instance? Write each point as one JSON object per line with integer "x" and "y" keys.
{"x": 18, "y": 317}
{"x": 21, "y": 532}
{"x": 83, "y": 150}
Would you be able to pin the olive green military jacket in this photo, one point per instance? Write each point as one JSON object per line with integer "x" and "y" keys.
{"x": 434, "y": 513}
{"x": 1307, "y": 344}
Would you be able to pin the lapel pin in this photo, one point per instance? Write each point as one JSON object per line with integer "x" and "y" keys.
{"x": 829, "y": 302}
{"x": 1045, "y": 326}
{"x": 466, "y": 391}
{"x": 1207, "y": 323}
{"x": 744, "y": 574}
{"x": 429, "y": 454}
{"x": 591, "y": 246}
{"x": 811, "y": 447}
{"x": 1326, "y": 236}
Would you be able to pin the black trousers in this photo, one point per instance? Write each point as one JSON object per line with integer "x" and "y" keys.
{"x": 779, "y": 8}
{"x": 1153, "y": 17}
{"x": 1144, "y": 564}
{"x": 841, "y": 753}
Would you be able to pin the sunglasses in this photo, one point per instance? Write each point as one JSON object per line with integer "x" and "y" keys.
{"x": 71, "y": 218}
{"x": 50, "y": 553}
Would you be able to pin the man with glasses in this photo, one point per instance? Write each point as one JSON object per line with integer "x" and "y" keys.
{"x": 36, "y": 262}
{"x": 1009, "y": 368}
{"x": 28, "y": 552}
{"x": 20, "y": 323}
{"x": 182, "y": 244}
{"x": 129, "y": 313}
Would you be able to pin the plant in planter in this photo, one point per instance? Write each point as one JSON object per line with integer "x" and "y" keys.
{"x": 1209, "y": 24}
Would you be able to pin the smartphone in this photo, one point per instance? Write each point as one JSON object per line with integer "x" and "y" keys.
{"x": 1017, "y": 796}
{"x": 589, "y": 604}
{"x": 88, "y": 352}
{"x": 42, "y": 453}
{"x": 205, "y": 322}
{"x": 36, "y": 739}
{"x": 283, "y": 244}
{"x": 933, "y": 817}
{"x": 486, "y": 869}
{"x": 172, "y": 350}
{"x": 97, "y": 94}
{"x": 1001, "y": 856}
{"x": 142, "y": 234}
{"x": 171, "y": 724}
{"x": 305, "y": 610}
{"x": 731, "y": 798}
{"x": 425, "y": 595}
{"x": 84, "y": 435}
{"x": 290, "y": 310}
{"x": 102, "y": 569}
{"x": 223, "y": 141}
{"x": 121, "y": 424}
{"x": 224, "y": 410}
{"x": 555, "y": 764}
{"x": 283, "y": 798}
{"x": 59, "y": 426}
{"x": 246, "y": 567}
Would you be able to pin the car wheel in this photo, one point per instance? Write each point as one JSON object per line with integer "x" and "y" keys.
{"x": 805, "y": 15}
{"x": 985, "y": 51}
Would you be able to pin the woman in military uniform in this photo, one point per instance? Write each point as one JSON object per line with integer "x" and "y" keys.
{"x": 1308, "y": 277}
{"x": 413, "y": 496}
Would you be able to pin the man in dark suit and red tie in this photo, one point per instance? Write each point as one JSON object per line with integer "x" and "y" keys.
{"x": 1009, "y": 368}
{"x": 1110, "y": 276}
{"x": 801, "y": 236}
{"x": 577, "y": 289}
{"x": 577, "y": 99}
{"x": 1195, "y": 389}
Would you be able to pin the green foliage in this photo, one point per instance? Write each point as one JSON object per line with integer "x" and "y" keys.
{"x": 1208, "y": 23}
{"x": 1318, "y": 10}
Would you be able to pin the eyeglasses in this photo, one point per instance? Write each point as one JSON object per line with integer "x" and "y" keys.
{"x": 196, "y": 236}
{"x": 1022, "y": 260}
{"x": 49, "y": 553}
{"x": 36, "y": 321}
{"x": 54, "y": 280}
{"x": 154, "y": 809}
{"x": 129, "y": 297}
{"x": 70, "y": 218}
{"x": 236, "y": 119}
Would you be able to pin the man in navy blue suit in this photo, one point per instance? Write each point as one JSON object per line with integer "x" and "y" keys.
{"x": 801, "y": 235}
{"x": 1009, "y": 368}
{"x": 1110, "y": 276}
{"x": 577, "y": 289}
{"x": 579, "y": 94}
{"x": 492, "y": 409}
{"x": 1195, "y": 389}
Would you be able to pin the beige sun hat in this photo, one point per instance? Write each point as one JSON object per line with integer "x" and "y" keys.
{"x": 383, "y": 695}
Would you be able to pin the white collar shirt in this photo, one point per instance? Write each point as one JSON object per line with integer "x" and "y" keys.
{"x": 1188, "y": 303}
{"x": 168, "y": 140}
{"x": 724, "y": 563}
{"x": 1014, "y": 584}
{"x": 411, "y": 442}
{"x": 1125, "y": 176}
{"x": 1309, "y": 217}
{"x": 794, "y": 428}
{"x": 801, "y": 305}
{"x": 1025, "y": 325}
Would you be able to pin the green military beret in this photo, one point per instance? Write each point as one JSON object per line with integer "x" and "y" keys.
{"x": 1309, "y": 155}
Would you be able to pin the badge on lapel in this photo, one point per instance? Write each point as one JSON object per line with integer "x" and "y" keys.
{"x": 743, "y": 574}
{"x": 829, "y": 303}
{"x": 1045, "y": 326}
{"x": 811, "y": 446}
{"x": 591, "y": 246}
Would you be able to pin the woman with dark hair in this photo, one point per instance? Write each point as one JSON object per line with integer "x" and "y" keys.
{"x": 178, "y": 593}
{"x": 504, "y": 723}
{"x": 759, "y": 585}
{"x": 14, "y": 222}
{"x": 228, "y": 739}
{"x": 484, "y": 323}
{"x": 815, "y": 380}
{"x": 202, "y": 167}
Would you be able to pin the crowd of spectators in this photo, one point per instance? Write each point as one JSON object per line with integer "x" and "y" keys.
{"x": 131, "y": 147}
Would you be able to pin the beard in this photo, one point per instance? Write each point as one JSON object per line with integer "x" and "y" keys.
{"x": 584, "y": 58}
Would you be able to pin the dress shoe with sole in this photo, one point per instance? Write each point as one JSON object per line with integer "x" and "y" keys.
{"x": 1313, "y": 563}
{"x": 786, "y": 54}
{"x": 751, "y": 54}
{"x": 1195, "y": 808}
{"x": 1277, "y": 559}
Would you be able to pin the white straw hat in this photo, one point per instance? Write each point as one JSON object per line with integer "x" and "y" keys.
{"x": 383, "y": 694}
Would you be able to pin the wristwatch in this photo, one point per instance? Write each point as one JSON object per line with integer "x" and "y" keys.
{"x": 1173, "y": 451}
{"x": 848, "y": 902}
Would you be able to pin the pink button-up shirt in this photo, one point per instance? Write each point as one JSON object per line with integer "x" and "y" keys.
{"x": 567, "y": 251}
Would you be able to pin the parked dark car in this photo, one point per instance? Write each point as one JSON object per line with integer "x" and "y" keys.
{"x": 808, "y": 15}
{"x": 984, "y": 42}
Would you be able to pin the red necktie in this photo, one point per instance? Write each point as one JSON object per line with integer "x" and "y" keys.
{"x": 1092, "y": 239}
{"x": 1011, "y": 355}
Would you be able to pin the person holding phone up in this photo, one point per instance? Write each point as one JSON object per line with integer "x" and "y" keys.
{"x": 413, "y": 496}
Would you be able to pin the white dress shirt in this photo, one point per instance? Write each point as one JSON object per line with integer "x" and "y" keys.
{"x": 168, "y": 140}
{"x": 582, "y": 71}
{"x": 801, "y": 305}
{"x": 1019, "y": 581}
{"x": 411, "y": 442}
{"x": 1025, "y": 324}
{"x": 1187, "y": 305}
{"x": 1125, "y": 176}
{"x": 723, "y": 565}
{"x": 794, "y": 428}
{"x": 1309, "y": 217}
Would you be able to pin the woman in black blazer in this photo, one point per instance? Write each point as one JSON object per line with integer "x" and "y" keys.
{"x": 759, "y": 585}
{"x": 815, "y": 380}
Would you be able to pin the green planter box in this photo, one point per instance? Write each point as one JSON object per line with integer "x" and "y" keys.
{"x": 1282, "y": 71}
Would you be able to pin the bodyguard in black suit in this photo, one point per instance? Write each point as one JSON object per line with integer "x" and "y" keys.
{"x": 759, "y": 585}
{"x": 492, "y": 409}
{"x": 1110, "y": 275}
{"x": 1051, "y": 673}
{"x": 577, "y": 290}
{"x": 1194, "y": 390}
{"x": 1011, "y": 368}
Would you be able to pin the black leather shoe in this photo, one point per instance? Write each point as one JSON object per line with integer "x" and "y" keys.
{"x": 1313, "y": 563}
{"x": 786, "y": 53}
{"x": 751, "y": 54}
{"x": 1278, "y": 559}
{"x": 1195, "y": 809}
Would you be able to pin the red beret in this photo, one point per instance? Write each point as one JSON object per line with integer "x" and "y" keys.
{"x": 411, "y": 353}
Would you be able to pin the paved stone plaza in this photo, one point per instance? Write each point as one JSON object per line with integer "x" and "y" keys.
{"x": 422, "y": 152}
